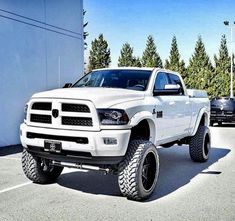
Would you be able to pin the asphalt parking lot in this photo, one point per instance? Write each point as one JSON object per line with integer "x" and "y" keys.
{"x": 185, "y": 190}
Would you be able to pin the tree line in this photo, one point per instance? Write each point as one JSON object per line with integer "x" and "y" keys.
{"x": 200, "y": 73}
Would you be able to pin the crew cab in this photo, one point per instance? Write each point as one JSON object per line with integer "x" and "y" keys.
{"x": 222, "y": 110}
{"x": 113, "y": 120}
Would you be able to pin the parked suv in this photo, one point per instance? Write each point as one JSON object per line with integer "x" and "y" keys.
{"x": 222, "y": 110}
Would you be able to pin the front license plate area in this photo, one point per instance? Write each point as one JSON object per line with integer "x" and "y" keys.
{"x": 52, "y": 146}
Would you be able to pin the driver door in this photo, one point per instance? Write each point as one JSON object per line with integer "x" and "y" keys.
{"x": 165, "y": 107}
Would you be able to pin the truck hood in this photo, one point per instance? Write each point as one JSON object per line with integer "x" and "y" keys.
{"x": 101, "y": 97}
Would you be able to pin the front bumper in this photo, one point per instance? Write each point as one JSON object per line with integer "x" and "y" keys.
{"x": 222, "y": 118}
{"x": 94, "y": 150}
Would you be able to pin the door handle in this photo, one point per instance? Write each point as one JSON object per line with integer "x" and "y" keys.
{"x": 172, "y": 102}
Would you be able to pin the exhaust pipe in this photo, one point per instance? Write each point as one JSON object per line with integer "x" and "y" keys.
{"x": 80, "y": 166}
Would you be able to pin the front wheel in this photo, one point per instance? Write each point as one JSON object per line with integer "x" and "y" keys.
{"x": 138, "y": 172}
{"x": 39, "y": 170}
{"x": 199, "y": 145}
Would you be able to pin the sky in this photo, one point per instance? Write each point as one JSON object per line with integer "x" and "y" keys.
{"x": 132, "y": 21}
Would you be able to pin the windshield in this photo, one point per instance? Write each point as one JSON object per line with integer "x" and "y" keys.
{"x": 126, "y": 79}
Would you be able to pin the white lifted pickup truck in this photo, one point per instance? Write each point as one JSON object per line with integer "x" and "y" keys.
{"x": 113, "y": 120}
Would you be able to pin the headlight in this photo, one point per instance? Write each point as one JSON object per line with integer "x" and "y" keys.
{"x": 25, "y": 111}
{"x": 113, "y": 117}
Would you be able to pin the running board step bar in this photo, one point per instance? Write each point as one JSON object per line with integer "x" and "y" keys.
{"x": 80, "y": 166}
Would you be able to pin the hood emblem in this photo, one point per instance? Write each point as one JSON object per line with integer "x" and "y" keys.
{"x": 55, "y": 113}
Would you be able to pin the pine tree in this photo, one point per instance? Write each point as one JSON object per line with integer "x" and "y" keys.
{"x": 150, "y": 57}
{"x": 126, "y": 56}
{"x": 233, "y": 61}
{"x": 221, "y": 79}
{"x": 175, "y": 63}
{"x": 85, "y": 33}
{"x": 99, "y": 54}
{"x": 200, "y": 69}
{"x": 137, "y": 62}
{"x": 167, "y": 64}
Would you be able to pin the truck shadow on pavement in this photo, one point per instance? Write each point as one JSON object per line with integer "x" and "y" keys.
{"x": 9, "y": 150}
{"x": 176, "y": 170}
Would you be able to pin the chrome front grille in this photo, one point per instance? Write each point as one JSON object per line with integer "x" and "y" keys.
{"x": 63, "y": 114}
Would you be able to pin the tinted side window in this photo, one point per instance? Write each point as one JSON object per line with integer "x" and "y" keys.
{"x": 161, "y": 80}
{"x": 176, "y": 80}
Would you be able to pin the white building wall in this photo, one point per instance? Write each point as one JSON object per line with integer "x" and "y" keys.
{"x": 41, "y": 48}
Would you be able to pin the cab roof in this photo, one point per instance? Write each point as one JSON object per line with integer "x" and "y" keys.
{"x": 138, "y": 68}
{"x": 127, "y": 68}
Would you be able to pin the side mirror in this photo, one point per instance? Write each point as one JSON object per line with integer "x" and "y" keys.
{"x": 170, "y": 89}
{"x": 68, "y": 85}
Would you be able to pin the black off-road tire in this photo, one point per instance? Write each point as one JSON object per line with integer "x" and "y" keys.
{"x": 35, "y": 170}
{"x": 141, "y": 161}
{"x": 199, "y": 145}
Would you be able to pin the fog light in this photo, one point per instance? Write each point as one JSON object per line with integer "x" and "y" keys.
{"x": 110, "y": 140}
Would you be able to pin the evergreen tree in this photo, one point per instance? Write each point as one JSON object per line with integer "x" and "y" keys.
{"x": 221, "y": 79}
{"x": 99, "y": 54}
{"x": 233, "y": 72}
{"x": 137, "y": 62}
{"x": 167, "y": 64}
{"x": 126, "y": 58}
{"x": 85, "y": 33}
{"x": 150, "y": 57}
{"x": 175, "y": 63}
{"x": 200, "y": 69}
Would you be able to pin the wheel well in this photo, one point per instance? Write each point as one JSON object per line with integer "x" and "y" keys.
{"x": 141, "y": 131}
{"x": 204, "y": 120}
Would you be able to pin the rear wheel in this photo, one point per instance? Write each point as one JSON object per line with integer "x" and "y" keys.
{"x": 39, "y": 170}
{"x": 199, "y": 145}
{"x": 138, "y": 173}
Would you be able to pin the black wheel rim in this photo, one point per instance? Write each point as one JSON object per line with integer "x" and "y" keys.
{"x": 149, "y": 171}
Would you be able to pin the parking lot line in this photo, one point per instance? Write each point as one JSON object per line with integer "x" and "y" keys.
{"x": 14, "y": 187}
{"x": 11, "y": 158}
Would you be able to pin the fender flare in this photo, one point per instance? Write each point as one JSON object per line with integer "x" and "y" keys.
{"x": 203, "y": 112}
{"x": 146, "y": 115}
